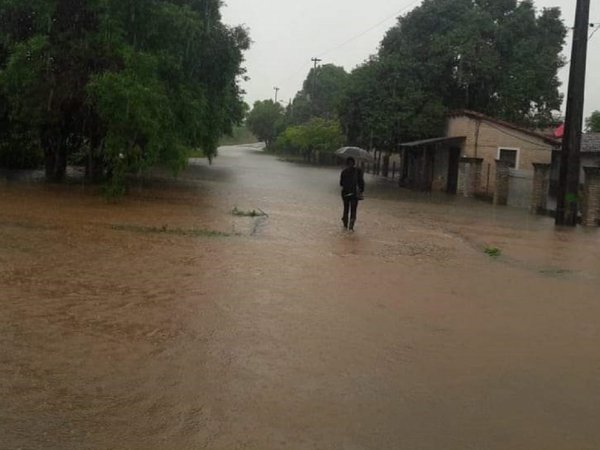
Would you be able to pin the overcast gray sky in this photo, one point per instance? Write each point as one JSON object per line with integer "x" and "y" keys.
{"x": 288, "y": 33}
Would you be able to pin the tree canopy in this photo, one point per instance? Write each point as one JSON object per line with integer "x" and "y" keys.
{"x": 500, "y": 58}
{"x": 320, "y": 95}
{"x": 121, "y": 84}
{"x": 317, "y": 134}
{"x": 265, "y": 120}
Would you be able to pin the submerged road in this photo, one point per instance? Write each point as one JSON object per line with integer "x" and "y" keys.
{"x": 167, "y": 322}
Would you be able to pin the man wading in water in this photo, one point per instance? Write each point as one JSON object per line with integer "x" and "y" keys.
{"x": 353, "y": 186}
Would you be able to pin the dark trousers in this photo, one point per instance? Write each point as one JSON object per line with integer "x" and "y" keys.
{"x": 350, "y": 206}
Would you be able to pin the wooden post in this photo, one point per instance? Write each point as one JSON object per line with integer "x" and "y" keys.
{"x": 393, "y": 170}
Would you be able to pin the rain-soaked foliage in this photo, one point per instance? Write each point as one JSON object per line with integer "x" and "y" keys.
{"x": 497, "y": 57}
{"x": 316, "y": 135}
{"x": 266, "y": 120}
{"x": 320, "y": 95}
{"x": 310, "y": 123}
{"x": 117, "y": 85}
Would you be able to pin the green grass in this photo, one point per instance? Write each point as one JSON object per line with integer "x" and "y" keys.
{"x": 193, "y": 232}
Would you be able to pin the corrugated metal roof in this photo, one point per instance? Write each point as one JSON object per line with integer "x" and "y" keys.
{"x": 590, "y": 143}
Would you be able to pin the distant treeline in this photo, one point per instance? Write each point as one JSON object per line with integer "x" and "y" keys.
{"x": 497, "y": 57}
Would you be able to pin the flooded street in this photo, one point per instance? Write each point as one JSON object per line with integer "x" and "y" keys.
{"x": 166, "y": 322}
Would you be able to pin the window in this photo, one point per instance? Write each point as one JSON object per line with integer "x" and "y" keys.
{"x": 510, "y": 155}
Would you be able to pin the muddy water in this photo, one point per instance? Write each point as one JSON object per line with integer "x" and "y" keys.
{"x": 136, "y": 326}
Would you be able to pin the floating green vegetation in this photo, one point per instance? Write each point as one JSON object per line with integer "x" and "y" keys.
{"x": 192, "y": 232}
{"x": 494, "y": 252}
{"x": 554, "y": 271}
{"x": 253, "y": 213}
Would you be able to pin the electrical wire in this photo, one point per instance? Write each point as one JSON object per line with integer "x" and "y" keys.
{"x": 596, "y": 27}
{"x": 361, "y": 34}
{"x": 352, "y": 39}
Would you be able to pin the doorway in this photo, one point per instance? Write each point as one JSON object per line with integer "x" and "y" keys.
{"x": 453, "y": 163}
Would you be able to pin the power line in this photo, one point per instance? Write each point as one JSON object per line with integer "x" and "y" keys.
{"x": 591, "y": 24}
{"x": 596, "y": 27}
{"x": 361, "y": 34}
{"x": 352, "y": 39}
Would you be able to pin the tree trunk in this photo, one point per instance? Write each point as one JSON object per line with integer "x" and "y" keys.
{"x": 55, "y": 158}
{"x": 385, "y": 169}
{"x": 56, "y": 165}
{"x": 94, "y": 169}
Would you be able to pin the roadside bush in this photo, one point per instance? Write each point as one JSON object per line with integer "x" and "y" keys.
{"x": 316, "y": 136}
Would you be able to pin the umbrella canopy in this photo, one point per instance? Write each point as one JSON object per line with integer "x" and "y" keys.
{"x": 357, "y": 153}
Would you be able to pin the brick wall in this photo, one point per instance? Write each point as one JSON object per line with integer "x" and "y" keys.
{"x": 469, "y": 176}
{"x": 520, "y": 187}
{"x": 541, "y": 186}
{"x": 501, "y": 186}
{"x": 483, "y": 139}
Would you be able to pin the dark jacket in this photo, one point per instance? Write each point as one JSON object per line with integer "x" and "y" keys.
{"x": 352, "y": 181}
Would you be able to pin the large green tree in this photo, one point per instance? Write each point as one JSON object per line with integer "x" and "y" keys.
{"x": 592, "y": 123}
{"x": 497, "y": 57}
{"x": 125, "y": 83}
{"x": 385, "y": 104}
{"x": 321, "y": 94}
{"x": 265, "y": 120}
{"x": 316, "y": 135}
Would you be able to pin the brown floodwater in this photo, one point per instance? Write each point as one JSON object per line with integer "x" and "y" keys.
{"x": 166, "y": 322}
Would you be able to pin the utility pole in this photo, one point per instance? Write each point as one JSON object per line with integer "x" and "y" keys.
{"x": 276, "y": 89}
{"x": 314, "y": 89}
{"x": 568, "y": 188}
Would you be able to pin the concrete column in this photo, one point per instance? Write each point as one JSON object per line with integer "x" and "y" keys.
{"x": 502, "y": 177}
{"x": 541, "y": 184}
{"x": 475, "y": 179}
{"x": 469, "y": 176}
{"x": 463, "y": 173}
{"x": 591, "y": 203}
